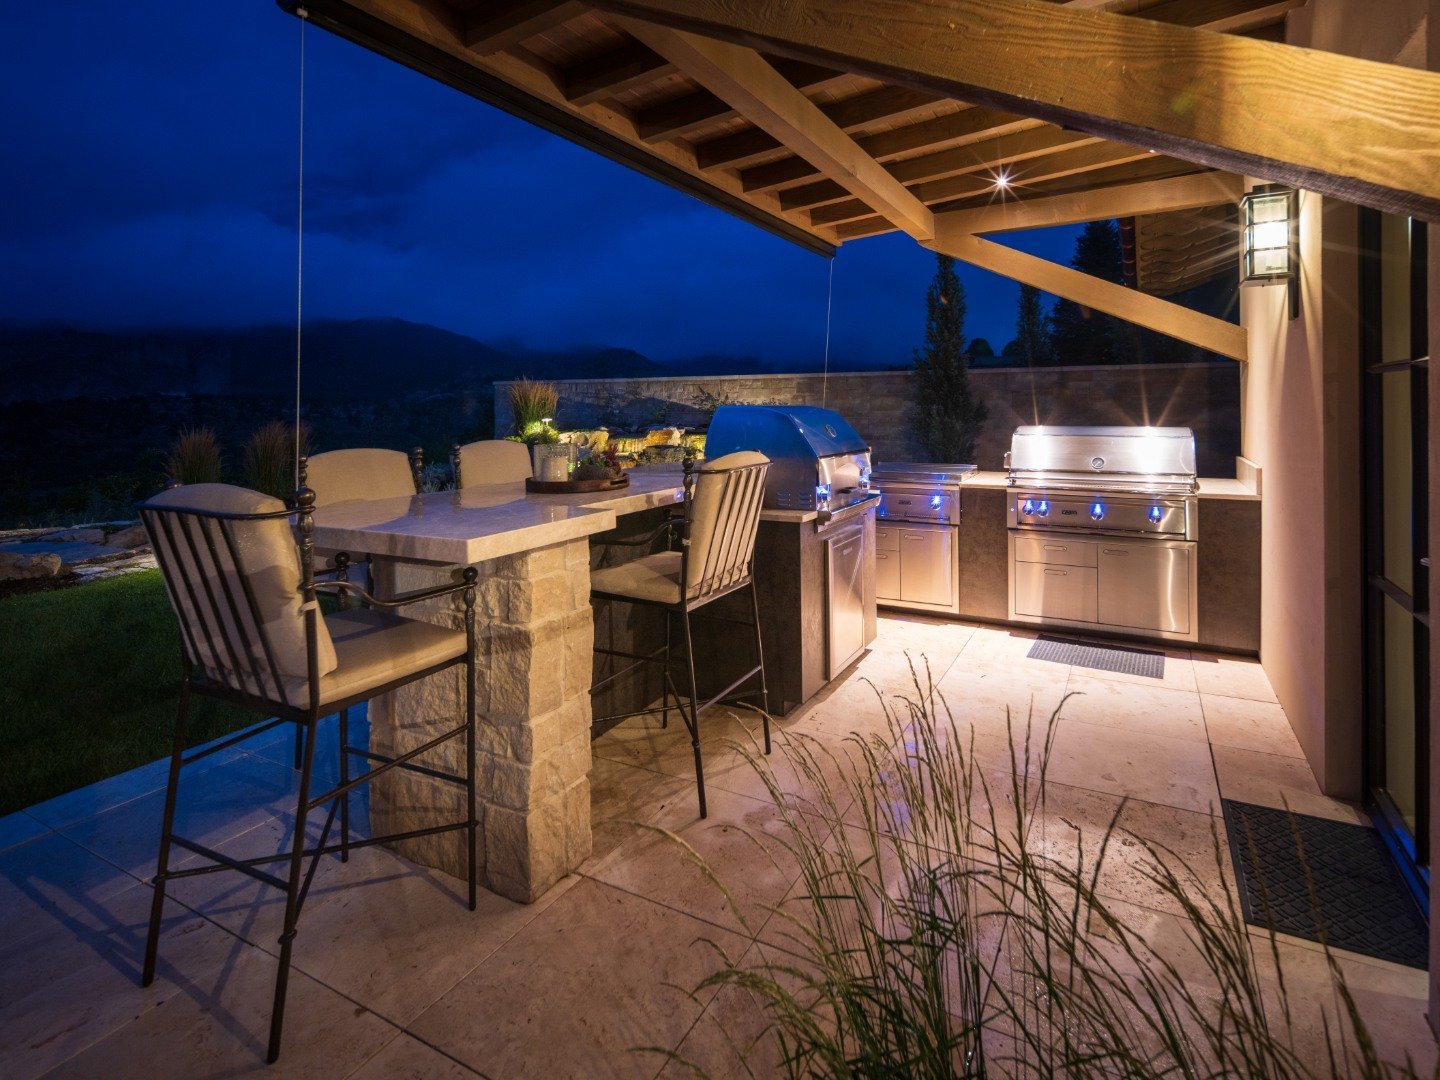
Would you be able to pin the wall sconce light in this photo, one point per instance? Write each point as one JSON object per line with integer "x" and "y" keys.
{"x": 1270, "y": 240}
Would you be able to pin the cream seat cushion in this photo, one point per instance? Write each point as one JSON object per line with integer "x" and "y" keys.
{"x": 355, "y": 475}
{"x": 655, "y": 577}
{"x": 494, "y": 461}
{"x": 267, "y": 558}
{"x": 377, "y": 647}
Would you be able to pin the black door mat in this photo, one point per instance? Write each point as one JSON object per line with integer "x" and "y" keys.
{"x": 1099, "y": 657}
{"x": 1352, "y": 891}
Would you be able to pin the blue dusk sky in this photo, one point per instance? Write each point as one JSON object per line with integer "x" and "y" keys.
{"x": 152, "y": 154}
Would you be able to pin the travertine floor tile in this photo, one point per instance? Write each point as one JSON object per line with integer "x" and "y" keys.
{"x": 19, "y": 828}
{"x": 1148, "y": 710}
{"x": 1231, "y": 676}
{"x": 1279, "y": 781}
{"x": 600, "y": 974}
{"x": 1171, "y": 772}
{"x": 1249, "y": 725}
{"x": 407, "y": 1058}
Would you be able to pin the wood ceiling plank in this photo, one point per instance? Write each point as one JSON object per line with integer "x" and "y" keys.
{"x": 501, "y": 25}
{"x": 1354, "y": 129}
{"x": 752, "y": 87}
{"x": 1133, "y": 306}
{"x": 613, "y": 72}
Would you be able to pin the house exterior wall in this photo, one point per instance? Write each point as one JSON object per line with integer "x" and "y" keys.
{"x": 1205, "y": 397}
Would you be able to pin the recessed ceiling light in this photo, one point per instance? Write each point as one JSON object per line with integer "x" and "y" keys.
{"x": 1002, "y": 180}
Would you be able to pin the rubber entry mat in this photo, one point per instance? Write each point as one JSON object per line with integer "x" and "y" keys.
{"x": 1099, "y": 657}
{"x": 1344, "y": 890}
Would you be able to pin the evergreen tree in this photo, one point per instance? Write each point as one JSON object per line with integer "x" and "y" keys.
{"x": 948, "y": 415}
{"x": 1082, "y": 335}
{"x": 1032, "y": 332}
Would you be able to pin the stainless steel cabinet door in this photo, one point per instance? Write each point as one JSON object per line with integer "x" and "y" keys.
{"x": 1055, "y": 592}
{"x": 1146, "y": 585}
{"x": 845, "y": 555}
{"x": 887, "y": 574}
{"x": 927, "y": 558}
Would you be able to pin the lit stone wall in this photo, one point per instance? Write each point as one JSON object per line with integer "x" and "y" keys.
{"x": 1205, "y": 397}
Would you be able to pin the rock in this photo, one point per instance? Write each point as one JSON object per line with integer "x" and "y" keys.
{"x": 128, "y": 539}
{"x": 77, "y": 536}
{"x": 17, "y": 567}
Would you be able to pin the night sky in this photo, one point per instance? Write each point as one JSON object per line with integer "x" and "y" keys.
{"x": 152, "y": 154}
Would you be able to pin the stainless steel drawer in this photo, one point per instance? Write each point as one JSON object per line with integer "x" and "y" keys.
{"x": 1056, "y": 592}
{"x": 1039, "y": 549}
{"x": 887, "y": 573}
{"x": 887, "y": 537}
{"x": 1146, "y": 585}
{"x": 927, "y": 564}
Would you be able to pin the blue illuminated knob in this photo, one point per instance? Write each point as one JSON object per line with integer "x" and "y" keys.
{"x": 1155, "y": 515}
{"x": 1043, "y": 509}
{"x": 1097, "y": 511}
{"x": 935, "y": 501}
{"x": 1028, "y": 506}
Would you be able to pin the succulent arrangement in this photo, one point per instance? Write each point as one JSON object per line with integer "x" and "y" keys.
{"x": 601, "y": 465}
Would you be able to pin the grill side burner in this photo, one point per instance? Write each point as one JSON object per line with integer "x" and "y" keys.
{"x": 1102, "y": 530}
{"x": 917, "y": 536}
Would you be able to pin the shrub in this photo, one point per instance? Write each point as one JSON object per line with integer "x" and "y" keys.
{"x": 194, "y": 457}
{"x": 270, "y": 458}
{"x": 934, "y": 935}
{"x": 531, "y": 404}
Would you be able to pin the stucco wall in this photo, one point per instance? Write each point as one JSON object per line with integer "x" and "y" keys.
{"x": 1205, "y": 397}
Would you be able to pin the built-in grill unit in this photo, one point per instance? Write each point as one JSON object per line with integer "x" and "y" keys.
{"x": 1103, "y": 529}
{"x": 818, "y": 466}
{"x": 917, "y": 536}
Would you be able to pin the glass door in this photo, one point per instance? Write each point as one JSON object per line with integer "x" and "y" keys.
{"x": 1394, "y": 349}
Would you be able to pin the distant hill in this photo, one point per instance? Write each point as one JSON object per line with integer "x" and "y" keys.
{"x": 372, "y": 359}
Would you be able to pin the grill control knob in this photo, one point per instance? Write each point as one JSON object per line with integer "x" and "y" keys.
{"x": 1097, "y": 511}
{"x": 1043, "y": 509}
{"x": 1028, "y": 506}
{"x": 1155, "y": 515}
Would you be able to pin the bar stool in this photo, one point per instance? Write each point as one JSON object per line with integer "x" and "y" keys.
{"x": 338, "y": 476}
{"x": 717, "y": 529}
{"x": 490, "y": 461}
{"x": 252, "y": 632}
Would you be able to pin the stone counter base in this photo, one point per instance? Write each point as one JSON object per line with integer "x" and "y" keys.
{"x": 534, "y": 636}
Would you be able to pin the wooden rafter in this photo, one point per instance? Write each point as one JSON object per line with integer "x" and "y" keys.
{"x": 684, "y": 115}
{"x": 1145, "y": 197}
{"x": 1169, "y": 318}
{"x": 1354, "y": 129}
{"x": 741, "y": 77}
{"x": 613, "y": 72}
{"x": 504, "y": 24}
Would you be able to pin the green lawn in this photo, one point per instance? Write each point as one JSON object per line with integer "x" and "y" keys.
{"x": 89, "y": 682}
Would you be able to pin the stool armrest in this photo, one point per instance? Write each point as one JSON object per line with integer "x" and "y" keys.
{"x": 400, "y": 601}
{"x": 667, "y": 526}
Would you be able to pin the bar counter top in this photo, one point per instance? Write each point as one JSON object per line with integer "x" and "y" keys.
{"x": 462, "y": 528}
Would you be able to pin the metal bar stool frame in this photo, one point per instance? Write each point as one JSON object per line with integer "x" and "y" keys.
{"x": 213, "y": 534}
{"x": 737, "y": 526}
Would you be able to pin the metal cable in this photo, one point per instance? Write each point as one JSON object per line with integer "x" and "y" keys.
{"x": 300, "y": 241}
{"x": 829, "y": 303}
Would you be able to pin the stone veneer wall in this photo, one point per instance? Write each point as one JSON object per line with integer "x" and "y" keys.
{"x": 1205, "y": 397}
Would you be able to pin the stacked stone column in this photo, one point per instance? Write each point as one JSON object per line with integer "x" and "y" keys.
{"x": 534, "y": 656}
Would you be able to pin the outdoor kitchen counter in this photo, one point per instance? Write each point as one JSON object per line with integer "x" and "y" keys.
{"x": 534, "y": 641}
{"x": 1210, "y": 487}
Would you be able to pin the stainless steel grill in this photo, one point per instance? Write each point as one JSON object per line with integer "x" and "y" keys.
{"x": 916, "y": 536}
{"x": 1103, "y": 529}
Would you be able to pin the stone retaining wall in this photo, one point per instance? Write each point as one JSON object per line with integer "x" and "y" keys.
{"x": 879, "y": 404}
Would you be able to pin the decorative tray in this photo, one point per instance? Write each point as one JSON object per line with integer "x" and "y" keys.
{"x": 569, "y": 487}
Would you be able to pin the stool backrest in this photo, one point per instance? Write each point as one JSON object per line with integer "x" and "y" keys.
{"x": 239, "y": 586}
{"x": 490, "y": 461}
{"x": 722, "y": 516}
{"x": 338, "y": 476}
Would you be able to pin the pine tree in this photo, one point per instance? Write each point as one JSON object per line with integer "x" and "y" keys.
{"x": 948, "y": 415}
{"x": 1032, "y": 334}
{"x": 1082, "y": 335}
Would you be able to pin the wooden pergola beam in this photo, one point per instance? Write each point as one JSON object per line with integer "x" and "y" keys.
{"x": 611, "y": 73}
{"x": 753, "y": 88}
{"x": 506, "y": 23}
{"x": 1207, "y": 332}
{"x": 1147, "y": 197}
{"x": 1353, "y": 129}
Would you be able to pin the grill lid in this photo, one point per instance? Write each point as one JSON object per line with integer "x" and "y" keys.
{"x": 1149, "y": 458}
{"x": 782, "y": 431}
